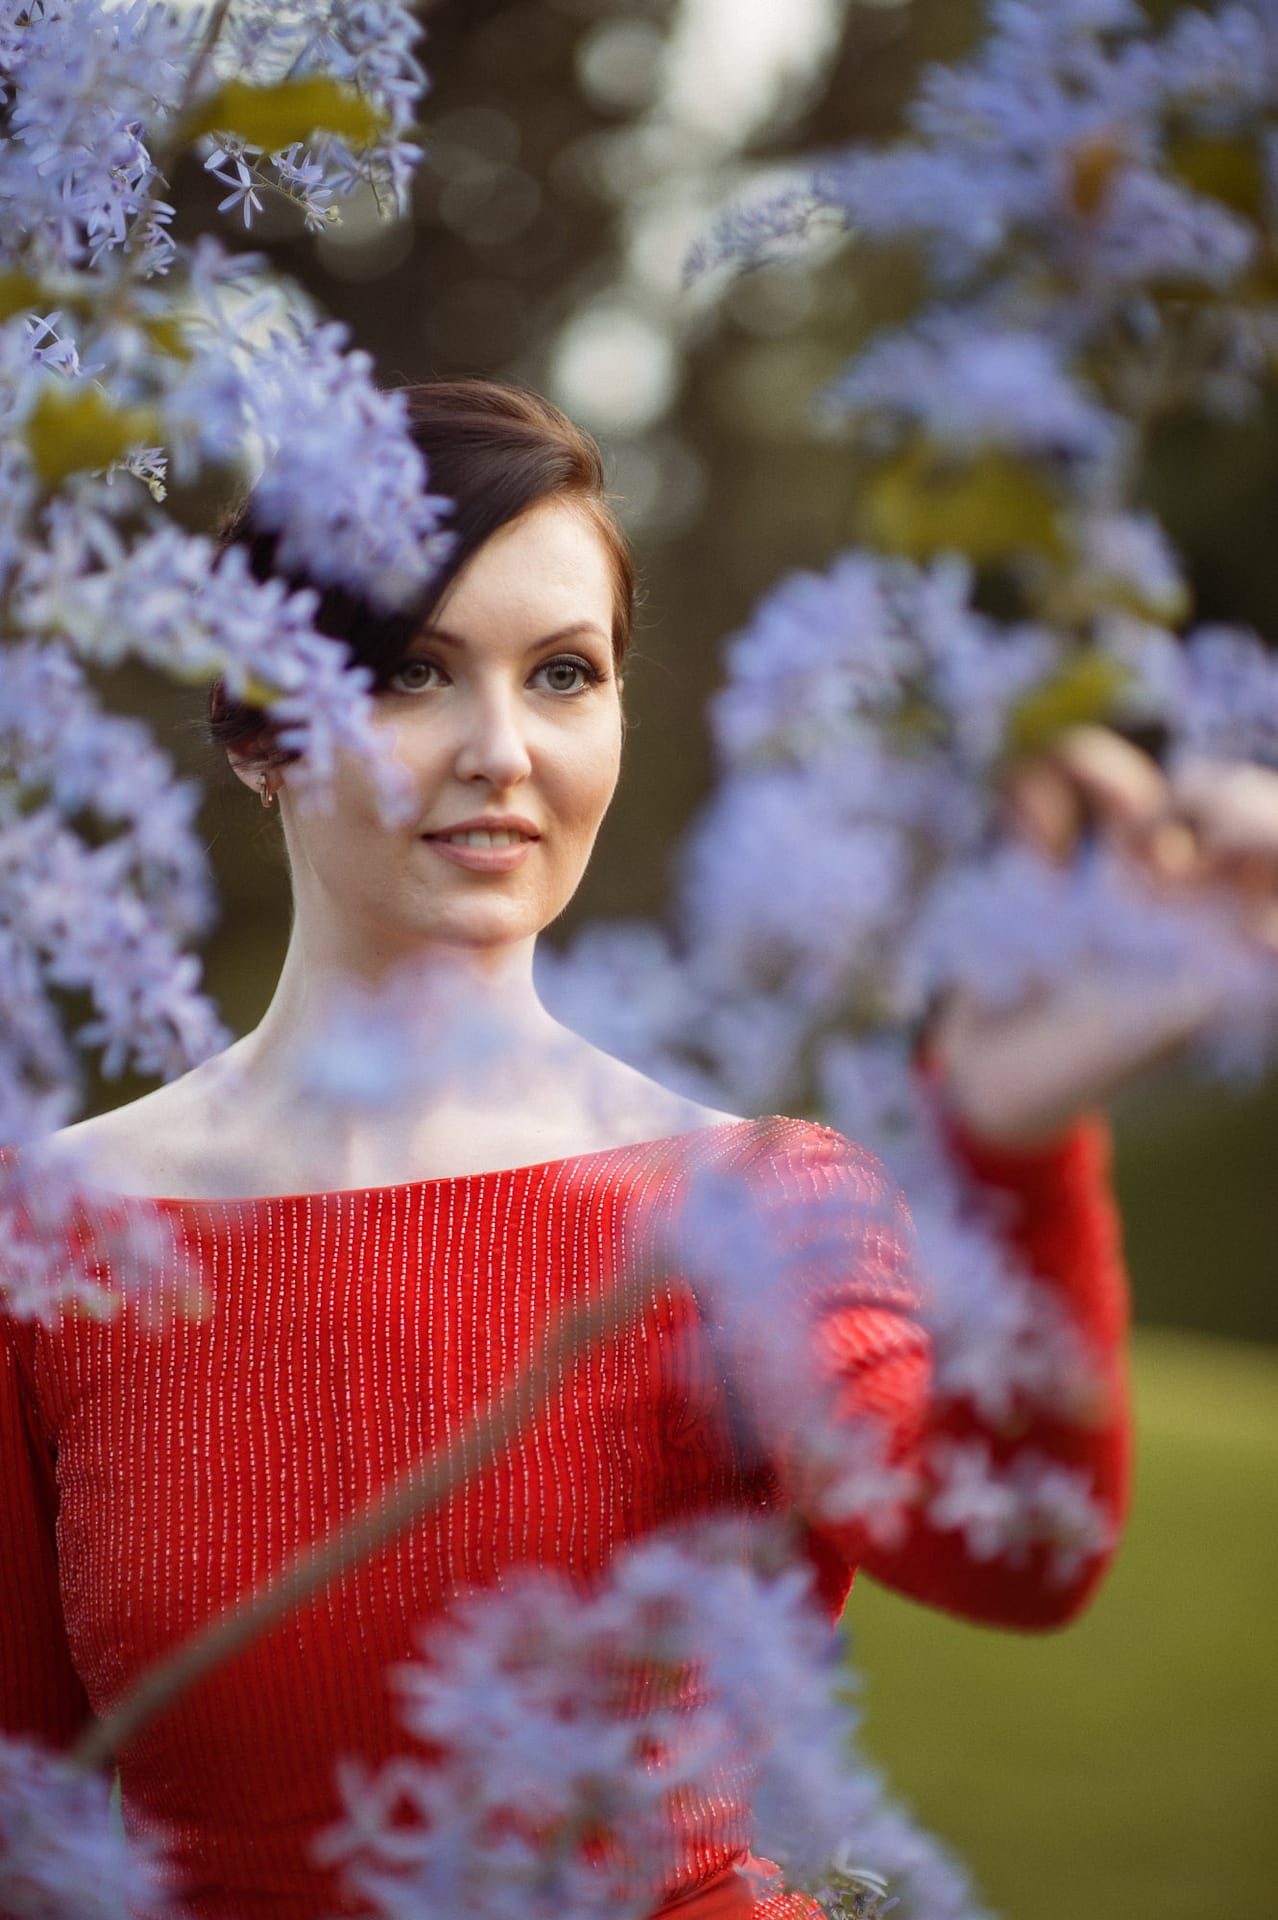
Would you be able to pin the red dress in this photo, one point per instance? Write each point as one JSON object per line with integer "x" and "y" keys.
{"x": 148, "y": 1479}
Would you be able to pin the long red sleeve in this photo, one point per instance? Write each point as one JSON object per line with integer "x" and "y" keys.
{"x": 1057, "y": 1212}
{"x": 42, "y": 1695}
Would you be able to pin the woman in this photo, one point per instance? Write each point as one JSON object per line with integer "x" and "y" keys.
{"x": 368, "y": 1277}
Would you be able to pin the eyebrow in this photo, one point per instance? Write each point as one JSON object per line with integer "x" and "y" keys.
{"x": 577, "y": 629}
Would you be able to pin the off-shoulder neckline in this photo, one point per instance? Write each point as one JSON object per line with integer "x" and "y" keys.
{"x": 179, "y": 1202}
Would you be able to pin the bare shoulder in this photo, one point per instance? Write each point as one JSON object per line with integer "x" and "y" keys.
{"x": 624, "y": 1105}
{"x": 155, "y": 1143}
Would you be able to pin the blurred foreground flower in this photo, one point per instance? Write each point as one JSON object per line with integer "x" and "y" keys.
{"x": 131, "y": 364}
{"x": 62, "y": 1854}
{"x": 569, "y": 1736}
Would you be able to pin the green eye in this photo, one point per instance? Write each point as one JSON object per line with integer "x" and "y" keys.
{"x": 413, "y": 676}
{"x": 568, "y": 675}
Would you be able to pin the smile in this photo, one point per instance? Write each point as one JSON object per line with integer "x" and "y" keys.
{"x": 483, "y": 849}
{"x": 482, "y": 837}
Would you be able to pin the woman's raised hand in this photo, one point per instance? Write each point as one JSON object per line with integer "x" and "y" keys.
{"x": 1021, "y": 1076}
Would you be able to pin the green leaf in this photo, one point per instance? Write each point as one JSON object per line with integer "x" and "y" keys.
{"x": 19, "y": 293}
{"x": 258, "y": 693}
{"x": 990, "y": 507}
{"x": 1084, "y": 692}
{"x": 75, "y": 428}
{"x": 1225, "y": 167}
{"x": 292, "y": 110}
{"x": 167, "y": 335}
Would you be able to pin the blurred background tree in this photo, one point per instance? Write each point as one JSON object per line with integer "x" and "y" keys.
{"x": 577, "y": 149}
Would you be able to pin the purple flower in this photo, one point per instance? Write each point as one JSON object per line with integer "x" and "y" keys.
{"x": 793, "y": 873}
{"x": 368, "y": 44}
{"x": 88, "y": 85}
{"x": 1008, "y": 1512}
{"x": 1127, "y": 560}
{"x": 62, "y": 1855}
{"x": 568, "y": 1730}
{"x": 1224, "y": 62}
{"x": 1000, "y": 1340}
{"x": 60, "y": 1236}
{"x": 970, "y": 386}
{"x": 1224, "y": 691}
{"x": 820, "y": 650}
{"x": 772, "y": 222}
{"x": 343, "y": 486}
{"x": 105, "y": 918}
{"x": 1000, "y": 927}
{"x": 785, "y": 1271}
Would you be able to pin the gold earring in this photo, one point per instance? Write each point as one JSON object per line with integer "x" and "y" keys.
{"x": 266, "y": 790}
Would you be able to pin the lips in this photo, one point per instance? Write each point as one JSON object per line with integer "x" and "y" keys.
{"x": 481, "y": 837}
{"x": 490, "y": 829}
{"x": 491, "y": 845}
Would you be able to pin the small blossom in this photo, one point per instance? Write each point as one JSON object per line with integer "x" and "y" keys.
{"x": 62, "y": 1854}
{"x": 1008, "y": 1513}
{"x": 243, "y": 196}
{"x": 1127, "y": 558}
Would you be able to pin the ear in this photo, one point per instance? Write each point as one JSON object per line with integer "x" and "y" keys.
{"x": 264, "y": 778}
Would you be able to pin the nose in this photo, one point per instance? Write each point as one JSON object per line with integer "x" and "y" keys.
{"x": 493, "y": 747}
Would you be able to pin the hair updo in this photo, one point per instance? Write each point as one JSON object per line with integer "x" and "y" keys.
{"x": 494, "y": 451}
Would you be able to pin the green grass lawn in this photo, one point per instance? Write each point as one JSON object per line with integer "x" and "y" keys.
{"x": 1126, "y": 1768}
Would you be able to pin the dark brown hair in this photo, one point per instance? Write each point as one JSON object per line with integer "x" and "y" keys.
{"x": 494, "y": 451}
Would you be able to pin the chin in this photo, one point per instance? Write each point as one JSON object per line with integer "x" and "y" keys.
{"x": 480, "y": 930}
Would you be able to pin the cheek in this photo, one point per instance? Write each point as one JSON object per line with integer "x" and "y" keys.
{"x": 598, "y": 771}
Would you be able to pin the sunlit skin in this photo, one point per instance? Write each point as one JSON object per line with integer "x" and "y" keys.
{"x": 505, "y": 715}
{"x": 506, "y": 707}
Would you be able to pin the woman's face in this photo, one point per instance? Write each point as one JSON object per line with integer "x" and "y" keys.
{"x": 505, "y": 713}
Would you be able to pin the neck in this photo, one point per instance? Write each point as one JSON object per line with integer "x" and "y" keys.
{"x": 417, "y": 1001}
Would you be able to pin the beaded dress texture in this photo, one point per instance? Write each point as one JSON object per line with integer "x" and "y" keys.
{"x": 149, "y": 1478}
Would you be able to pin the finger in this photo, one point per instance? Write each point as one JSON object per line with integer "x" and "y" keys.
{"x": 1122, "y": 787}
{"x": 1232, "y": 805}
{"x": 1090, "y": 781}
{"x": 1043, "y": 809}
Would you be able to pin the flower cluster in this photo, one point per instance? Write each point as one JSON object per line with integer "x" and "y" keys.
{"x": 365, "y": 47}
{"x": 1088, "y": 203}
{"x": 106, "y": 914}
{"x": 62, "y": 1855}
{"x": 83, "y": 84}
{"x": 129, "y": 362}
{"x": 310, "y": 99}
{"x": 1054, "y": 141}
{"x": 569, "y": 1736}
{"x": 1092, "y": 206}
{"x": 814, "y": 1282}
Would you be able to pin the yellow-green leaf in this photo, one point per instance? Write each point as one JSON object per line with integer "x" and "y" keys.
{"x": 258, "y": 693}
{"x": 277, "y": 116}
{"x": 1225, "y": 167}
{"x": 76, "y": 428}
{"x": 167, "y": 335}
{"x": 990, "y": 507}
{"x": 20, "y": 293}
{"x": 1083, "y": 693}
